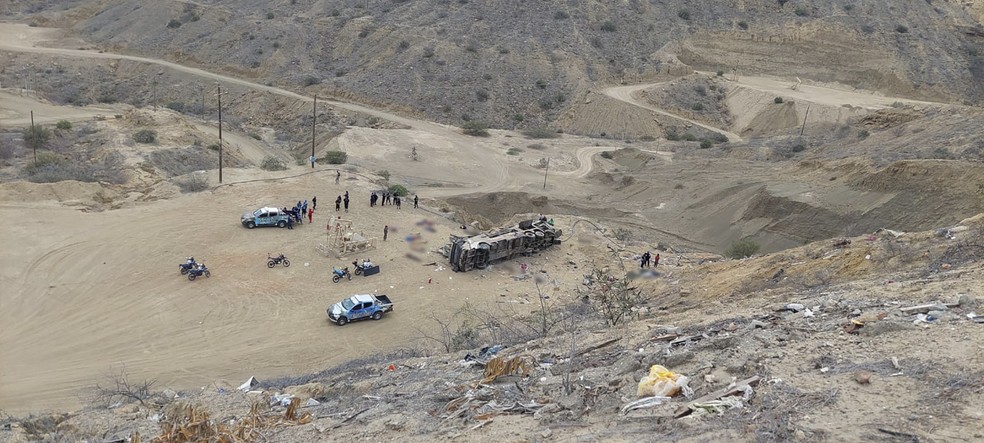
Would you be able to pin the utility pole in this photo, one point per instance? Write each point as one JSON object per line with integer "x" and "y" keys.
{"x": 314, "y": 122}
{"x": 220, "y": 134}
{"x": 203, "y": 102}
{"x": 34, "y": 138}
{"x": 803, "y": 128}
{"x": 155, "y": 94}
{"x": 545, "y": 169}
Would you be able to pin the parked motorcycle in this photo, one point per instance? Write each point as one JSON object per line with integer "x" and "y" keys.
{"x": 359, "y": 267}
{"x": 338, "y": 274}
{"x": 187, "y": 266}
{"x": 274, "y": 261}
{"x": 198, "y": 271}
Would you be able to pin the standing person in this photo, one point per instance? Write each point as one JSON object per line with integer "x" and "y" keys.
{"x": 396, "y": 200}
{"x": 338, "y": 203}
{"x": 290, "y": 223}
{"x": 656, "y": 260}
{"x": 642, "y": 260}
{"x": 314, "y": 202}
{"x": 304, "y": 208}
{"x": 372, "y": 199}
{"x": 338, "y": 175}
{"x": 346, "y": 201}
{"x": 386, "y": 230}
{"x": 415, "y": 201}
{"x": 311, "y": 215}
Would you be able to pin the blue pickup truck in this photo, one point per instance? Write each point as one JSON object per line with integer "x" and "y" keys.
{"x": 265, "y": 217}
{"x": 359, "y": 307}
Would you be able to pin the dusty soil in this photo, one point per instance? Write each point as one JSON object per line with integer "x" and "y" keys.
{"x": 89, "y": 292}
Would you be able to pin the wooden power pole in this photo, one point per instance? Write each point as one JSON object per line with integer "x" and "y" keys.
{"x": 220, "y": 134}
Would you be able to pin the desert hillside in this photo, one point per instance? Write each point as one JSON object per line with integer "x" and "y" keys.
{"x": 808, "y": 177}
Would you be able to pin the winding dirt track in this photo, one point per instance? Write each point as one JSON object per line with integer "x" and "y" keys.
{"x": 627, "y": 94}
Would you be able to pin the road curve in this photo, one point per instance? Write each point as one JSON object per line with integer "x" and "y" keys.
{"x": 627, "y": 94}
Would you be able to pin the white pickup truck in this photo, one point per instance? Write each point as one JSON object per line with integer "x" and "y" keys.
{"x": 359, "y": 307}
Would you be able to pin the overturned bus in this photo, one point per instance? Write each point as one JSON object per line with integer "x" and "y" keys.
{"x": 478, "y": 251}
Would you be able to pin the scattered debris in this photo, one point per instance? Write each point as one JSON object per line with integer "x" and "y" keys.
{"x": 743, "y": 387}
{"x": 645, "y": 402}
{"x": 661, "y": 382}
{"x": 498, "y": 367}
{"x": 249, "y": 384}
{"x": 863, "y": 377}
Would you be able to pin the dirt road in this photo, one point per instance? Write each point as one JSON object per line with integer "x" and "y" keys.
{"x": 627, "y": 94}
{"x": 15, "y": 107}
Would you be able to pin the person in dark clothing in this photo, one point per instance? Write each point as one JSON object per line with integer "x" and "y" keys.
{"x": 338, "y": 175}
{"x": 290, "y": 223}
{"x": 644, "y": 260}
{"x": 314, "y": 202}
{"x": 397, "y": 201}
{"x": 386, "y": 230}
{"x": 346, "y": 201}
{"x": 372, "y": 199}
{"x": 415, "y": 201}
{"x": 338, "y": 203}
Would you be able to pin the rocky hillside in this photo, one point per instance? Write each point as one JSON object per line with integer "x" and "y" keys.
{"x": 523, "y": 64}
{"x": 804, "y": 345}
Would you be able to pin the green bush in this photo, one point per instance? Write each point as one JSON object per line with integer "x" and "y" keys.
{"x": 689, "y": 137}
{"x": 173, "y": 24}
{"x": 384, "y": 174}
{"x": 336, "y": 157}
{"x": 270, "y": 16}
{"x": 684, "y": 14}
{"x": 741, "y": 249}
{"x": 193, "y": 183}
{"x": 175, "y": 106}
{"x": 743, "y": 26}
{"x": 720, "y": 73}
{"x": 271, "y": 163}
{"x": 311, "y": 80}
{"x": 561, "y": 15}
{"x": 647, "y": 138}
{"x": 398, "y": 190}
{"x": 608, "y": 26}
{"x": 513, "y": 151}
{"x": 36, "y": 138}
{"x": 706, "y": 144}
{"x": 798, "y": 148}
{"x": 672, "y": 135}
{"x": 901, "y": 29}
{"x": 145, "y": 136}
{"x": 476, "y": 128}
{"x": 863, "y": 134}
{"x": 537, "y": 147}
{"x": 777, "y": 100}
{"x": 482, "y": 95}
{"x": 697, "y": 107}
{"x": 607, "y": 154}
{"x": 540, "y": 133}
{"x": 518, "y": 117}
{"x": 64, "y": 125}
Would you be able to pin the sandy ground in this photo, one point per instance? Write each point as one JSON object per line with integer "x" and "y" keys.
{"x": 16, "y": 106}
{"x": 85, "y": 293}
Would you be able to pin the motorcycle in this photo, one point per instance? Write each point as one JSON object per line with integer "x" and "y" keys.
{"x": 359, "y": 267}
{"x": 274, "y": 261}
{"x": 337, "y": 274}
{"x": 198, "y": 271}
{"x": 187, "y": 266}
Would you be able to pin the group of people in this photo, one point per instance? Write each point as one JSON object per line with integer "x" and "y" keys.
{"x": 340, "y": 200}
{"x": 297, "y": 213}
{"x": 648, "y": 258}
{"x": 385, "y": 197}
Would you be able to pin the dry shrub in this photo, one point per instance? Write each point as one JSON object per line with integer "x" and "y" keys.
{"x": 196, "y": 182}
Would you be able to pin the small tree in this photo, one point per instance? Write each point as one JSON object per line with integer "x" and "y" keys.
{"x": 336, "y": 157}
{"x": 63, "y": 125}
{"x": 384, "y": 174}
{"x": 37, "y": 137}
{"x": 613, "y": 297}
{"x": 540, "y": 133}
{"x": 777, "y": 100}
{"x": 271, "y": 163}
{"x": 476, "y": 128}
{"x": 706, "y": 144}
{"x": 398, "y": 190}
{"x": 741, "y": 249}
{"x": 145, "y": 136}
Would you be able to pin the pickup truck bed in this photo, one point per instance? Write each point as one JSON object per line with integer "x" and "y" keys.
{"x": 385, "y": 303}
